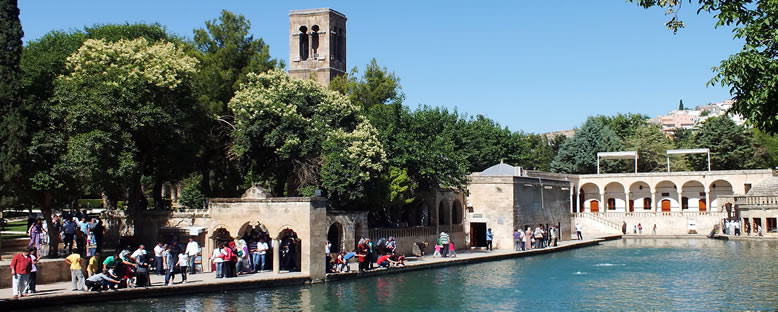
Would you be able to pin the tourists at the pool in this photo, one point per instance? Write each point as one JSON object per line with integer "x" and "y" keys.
{"x": 183, "y": 262}
{"x": 522, "y": 239}
{"x": 362, "y": 257}
{"x": 170, "y": 259}
{"x": 35, "y": 231}
{"x": 624, "y": 227}
{"x": 259, "y": 255}
{"x": 142, "y": 269}
{"x": 653, "y": 231}
{"x": 100, "y": 281}
{"x": 516, "y": 240}
{"x": 228, "y": 266}
{"x": 640, "y": 229}
{"x": 737, "y": 228}
{"x": 94, "y": 265}
{"x": 554, "y": 232}
{"x": 529, "y": 238}
{"x": 386, "y": 261}
{"x": 33, "y": 272}
{"x": 158, "y": 251}
{"x": 443, "y": 241}
{"x": 68, "y": 233}
{"x": 489, "y": 238}
{"x": 192, "y": 250}
{"x": 538, "y": 237}
{"x": 391, "y": 245}
{"x": 452, "y": 249}
{"x": 244, "y": 264}
{"x": 437, "y": 250}
{"x": 578, "y": 229}
{"x": 21, "y": 264}
{"x": 218, "y": 259}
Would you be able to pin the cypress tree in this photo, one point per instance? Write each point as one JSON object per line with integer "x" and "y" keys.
{"x": 12, "y": 124}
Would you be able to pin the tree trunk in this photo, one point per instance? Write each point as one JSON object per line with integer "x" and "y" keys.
{"x": 156, "y": 194}
{"x": 53, "y": 233}
{"x": 136, "y": 203}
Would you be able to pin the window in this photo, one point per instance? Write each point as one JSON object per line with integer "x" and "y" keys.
{"x": 611, "y": 204}
{"x": 303, "y": 36}
{"x": 315, "y": 40}
{"x": 646, "y": 203}
{"x": 684, "y": 203}
{"x": 747, "y": 186}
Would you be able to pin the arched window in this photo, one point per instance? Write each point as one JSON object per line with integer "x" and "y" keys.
{"x": 611, "y": 204}
{"x": 303, "y": 43}
{"x": 315, "y": 39}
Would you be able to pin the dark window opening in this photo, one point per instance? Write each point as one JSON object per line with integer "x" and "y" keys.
{"x": 646, "y": 203}
{"x": 315, "y": 39}
{"x": 303, "y": 43}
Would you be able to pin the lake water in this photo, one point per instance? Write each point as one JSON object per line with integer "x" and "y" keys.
{"x": 622, "y": 275}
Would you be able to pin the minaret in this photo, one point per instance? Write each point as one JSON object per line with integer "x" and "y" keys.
{"x": 317, "y": 44}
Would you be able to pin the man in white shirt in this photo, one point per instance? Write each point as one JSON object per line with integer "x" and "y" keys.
{"x": 140, "y": 251}
{"x": 192, "y": 249}
{"x": 259, "y": 255}
{"x": 158, "y": 250}
{"x": 578, "y": 229}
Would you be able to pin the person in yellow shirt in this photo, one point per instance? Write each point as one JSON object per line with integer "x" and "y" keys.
{"x": 94, "y": 265}
{"x": 76, "y": 275}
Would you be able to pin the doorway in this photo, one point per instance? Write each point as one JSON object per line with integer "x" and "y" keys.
{"x": 703, "y": 206}
{"x": 666, "y": 205}
{"x": 334, "y": 235}
{"x": 631, "y": 205}
{"x": 478, "y": 234}
{"x": 594, "y": 206}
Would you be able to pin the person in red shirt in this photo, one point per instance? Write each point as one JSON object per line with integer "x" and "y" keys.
{"x": 21, "y": 265}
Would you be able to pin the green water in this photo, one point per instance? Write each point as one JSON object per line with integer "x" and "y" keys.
{"x": 624, "y": 275}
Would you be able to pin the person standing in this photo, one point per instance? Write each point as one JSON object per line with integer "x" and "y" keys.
{"x": 35, "y": 231}
{"x": 653, "y": 231}
{"x": 76, "y": 275}
{"x": 183, "y": 261}
{"x": 516, "y": 240}
{"x": 218, "y": 259}
{"x": 21, "y": 265}
{"x": 170, "y": 260}
{"x": 522, "y": 239}
{"x": 624, "y": 227}
{"x": 554, "y": 235}
{"x": 33, "y": 272}
{"x": 69, "y": 231}
{"x": 192, "y": 250}
{"x": 158, "y": 251}
{"x": 640, "y": 229}
{"x": 528, "y": 238}
{"x": 489, "y": 238}
{"x": 444, "y": 244}
{"x": 259, "y": 255}
{"x": 94, "y": 265}
{"x": 578, "y": 229}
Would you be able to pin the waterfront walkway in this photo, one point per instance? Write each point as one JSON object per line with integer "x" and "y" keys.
{"x": 60, "y": 293}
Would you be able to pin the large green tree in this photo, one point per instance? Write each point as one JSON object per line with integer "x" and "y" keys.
{"x": 731, "y": 146}
{"x": 12, "y": 121}
{"x": 123, "y": 105}
{"x": 227, "y": 53}
{"x": 752, "y": 73}
{"x": 297, "y": 134}
{"x": 578, "y": 154}
{"x": 651, "y": 144}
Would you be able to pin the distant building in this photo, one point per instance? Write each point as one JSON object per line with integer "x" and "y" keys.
{"x": 317, "y": 44}
{"x": 690, "y": 119}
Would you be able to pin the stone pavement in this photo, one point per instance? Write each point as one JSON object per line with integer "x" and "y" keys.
{"x": 61, "y": 293}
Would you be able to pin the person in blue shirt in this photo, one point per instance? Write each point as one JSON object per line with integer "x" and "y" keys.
{"x": 489, "y": 238}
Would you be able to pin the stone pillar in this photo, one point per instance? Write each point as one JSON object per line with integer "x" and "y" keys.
{"x": 626, "y": 202}
{"x": 653, "y": 201}
{"x": 680, "y": 200}
{"x": 603, "y": 203}
{"x": 276, "y": 256}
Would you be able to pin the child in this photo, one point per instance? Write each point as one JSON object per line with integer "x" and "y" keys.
{"x": 346, "y": 257}
{"x": 437, "y": 251}
{"x": 451, "y": 251}
{"x": 183, "y": 262}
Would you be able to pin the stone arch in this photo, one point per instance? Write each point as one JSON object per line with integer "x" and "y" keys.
{"x": 456, "y": 212}
{"x": 615, "y": 196}
{"x": 290, "y": 246}
{"x": 335, "y": 236}
{"x": 444, "y": 213}
{"x": 719, "y": 188}
{"x": 589, "y": 192}
{"x": 640, "y": 195}
{"x": 693, "y": 196}
{"x": 667, "y": 196}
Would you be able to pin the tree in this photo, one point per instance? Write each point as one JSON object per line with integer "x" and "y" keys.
{"x": 191, "y": 195}
{"x": 651, "y": 144}
{"x": 123, "y": 106}
{"x": 766, "y": 149}
{"x": 578, "y": 154}
{"x": 297, "y": 134}
{"x": 12, "y": 122}
{"x": 680, "y": 105}
{"x": 731, "y": 146}
{"x": 751, "y": 73}
{"x": 227, "y": 53}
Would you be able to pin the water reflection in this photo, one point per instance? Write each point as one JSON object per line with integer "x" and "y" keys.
{"x": 630, "y": 274}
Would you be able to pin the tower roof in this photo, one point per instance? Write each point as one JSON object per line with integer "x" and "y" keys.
{"x": 315, "y": 11}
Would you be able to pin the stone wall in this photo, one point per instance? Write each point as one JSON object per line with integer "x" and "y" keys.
{"x": 542, "y": 201}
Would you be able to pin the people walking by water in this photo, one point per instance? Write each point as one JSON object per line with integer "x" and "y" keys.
{"x": 530, "y": 238}
{"x": 218, "y": 260}
{"x": 158, "y": 252}
{"x": 260, "y": 255}
{"x": 554, "y": 235}
{"x": 640, "y": 229}
{"x": 624, "y": 228}
{"x": 522, "y": 239}
{"x": 653, "y": 231}
{"x": 33, "y": 272}
{"x": 170, "y": 260}
{"x": 516, "y": 240}
{"x": 452, "y": 252}
{"x": 437, "y": 250}
{"x": 35, "y": 231}
{"x": 489, "y": 239}
{"x": 183, "y": 263}
{"x": 443, "y": 242}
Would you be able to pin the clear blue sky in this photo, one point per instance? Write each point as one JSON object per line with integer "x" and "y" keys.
{"x": 534, "y": 66}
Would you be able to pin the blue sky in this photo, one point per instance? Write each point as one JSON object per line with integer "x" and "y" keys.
{"x": 533, "y": 66}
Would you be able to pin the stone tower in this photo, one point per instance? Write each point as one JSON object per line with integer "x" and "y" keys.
{"x": 317, "y": 44}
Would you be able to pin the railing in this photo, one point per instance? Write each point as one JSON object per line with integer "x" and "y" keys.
{"x": 756, "y": 200}
{"x": 602, "y": 215}
{"x": 598, "y": 218}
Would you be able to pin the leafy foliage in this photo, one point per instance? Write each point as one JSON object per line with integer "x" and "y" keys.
{"x": 12, "y": 121}
{"x": 578, "y": 154}
{"x": 752, "y": 73}
{"x": 731, "y": 146}
{"x": 191, "y": 193}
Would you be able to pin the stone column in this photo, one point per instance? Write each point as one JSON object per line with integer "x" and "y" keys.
{"x": 707, "y": 199}
{"x": 276, "y": 256}
{"x": 603, "y": 203}
{"x": 680, "y": 200}
{"x": 626, "y": 202}
{"x": 653, "y": 201}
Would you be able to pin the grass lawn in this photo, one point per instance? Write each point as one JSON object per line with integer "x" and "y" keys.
{"x": 17, "y": 226}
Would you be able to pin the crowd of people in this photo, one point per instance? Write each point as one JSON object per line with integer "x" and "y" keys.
{"x": 369, "y": 255}
{"x": 540, "y": 237}
{"x": 75, "y": 229}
